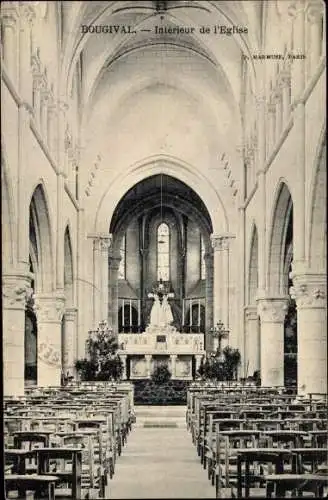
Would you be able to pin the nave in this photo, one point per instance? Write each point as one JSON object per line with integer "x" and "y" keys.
{"x": 159, "y": 460}
{"x": 232, "y": 440}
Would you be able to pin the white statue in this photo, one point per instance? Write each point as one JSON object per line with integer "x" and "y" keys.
{"x": 161, "y": 313}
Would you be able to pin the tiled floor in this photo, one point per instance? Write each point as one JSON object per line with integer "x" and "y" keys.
{"x": 160, "y": 462}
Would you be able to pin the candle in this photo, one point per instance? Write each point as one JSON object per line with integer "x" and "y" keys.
{"x": 130, "y": 312}
{"x": 190, "y": 315}
{"x": 122, "y": 312}
{"x": 182, "y": 312}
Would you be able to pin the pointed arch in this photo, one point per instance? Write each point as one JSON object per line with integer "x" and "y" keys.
{"x": 318, "y": 214}
{"x": 281, "y": 236}
{"x": 253, "y": 266}
{"x": 41, "y": 240}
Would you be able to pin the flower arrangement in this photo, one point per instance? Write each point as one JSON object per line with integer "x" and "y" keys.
{"x": 220, "y": 365}
{"x": 102, "y": 361}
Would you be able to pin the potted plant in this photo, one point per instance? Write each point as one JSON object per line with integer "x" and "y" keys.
{"x": 102, "y": 361}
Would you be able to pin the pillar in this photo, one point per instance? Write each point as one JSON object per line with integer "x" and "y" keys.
{"x": 310, "y": 293}
{"x": 252, "y": 341}
{"x": 148, "y": 364}
{"x": 14, "y": 289}
{"x": 285, "y": 94}
{"x": 52, "y": 130}
{"x": 49, "y": 313}
{"x": 105, "y": 244}
{"x": 217, "y": 277}
{"x": 44, "y": 116}
{"x": 173, "y": 365}
{"x": 198, "y": 359}
{"x": 37, "y": 100}
{"x": 278, "y": 112}
{"x": 114, "y": 264}
{"x": 27, "y": 14}
{"x": 314, "y": 17}
{"x": 209, "y": 298}
{"x": 69, "y": 340}
{"x": 123, "y": 358}
{"x": 271, "y": 109}
{"x": 272, "y": 312}
{"x": 296, "y": 12}
{"x": 9, "y": 23}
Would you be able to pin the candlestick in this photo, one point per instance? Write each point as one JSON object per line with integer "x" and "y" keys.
{"x": 190, "y": 315}
{"x": 139, "y": 312}
{"x": 182, "y": 312}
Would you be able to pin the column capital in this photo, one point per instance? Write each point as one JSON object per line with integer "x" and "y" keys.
{"x": 309, "y": 290}
{"x": 221, "y": 241}
{"x": 49, "y": 308}
{"x": 28, "y": 11}
{"x": 295, "y": 7}
{"x": 251, "y": 313}
{"x": 272, "y": 309}
{"x": 314, "y": 11}
{"x": 70, "y": 313}
{"x": 9, "y": 14}
{"x": 101, "y": 241}
{"x": 271, "y": 106}
{"x": 15, "y": 290}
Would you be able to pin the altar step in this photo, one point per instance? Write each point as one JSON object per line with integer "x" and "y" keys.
{"x": 160, "y": 416}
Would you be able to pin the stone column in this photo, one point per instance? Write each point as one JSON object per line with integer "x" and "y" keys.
{"x": 105, "y": 244}
{"x": 44, "y": 115}
{"x": 49, "y": 312}
{"x": 114, "y": 264}
{"x": 296, "y": 12}
{"x": 69, "y": 340}
{"x": 272, "y": 311}
{"x": 209, "y": 298}
{"x": 14, "y": 288}
{"x": 123, "y": 358}
{"x": 310, "y": 293}
{"x": 278, "y": 112}
{"x": 285, "y": 93}
{"x": 217, "y": 277}
{"x": 9, "y": 21}
{"x": 173, "y": 365}
{"x": 27, "y": 14}
{"x": 252, "y": 341}
{"x": 148, "y": 364}
{"x": 314, "y": 17}
{"x": 271, "y": 109}
{"x": 61, "y": 123}
{"x": 52, "y": 130}
{"x": 198, "y": 358}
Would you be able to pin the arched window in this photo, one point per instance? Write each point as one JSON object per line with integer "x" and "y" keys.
{"x": 163, "y": 252}
{"x": 202, "y": 259}
{"x": 122, "y": 268}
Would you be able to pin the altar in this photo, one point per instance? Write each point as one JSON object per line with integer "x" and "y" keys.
{"x": 182, "y": 352}
{"x": 161, "y": 343}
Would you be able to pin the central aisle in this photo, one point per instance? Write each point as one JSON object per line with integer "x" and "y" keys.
{"x": 160, "y": 462}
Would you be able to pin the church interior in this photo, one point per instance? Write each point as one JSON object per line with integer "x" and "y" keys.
{"x": 163, "y": 177}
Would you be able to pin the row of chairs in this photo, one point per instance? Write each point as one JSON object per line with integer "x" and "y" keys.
{"x": 74, "y": 434}
{"x": 243, "y": 434}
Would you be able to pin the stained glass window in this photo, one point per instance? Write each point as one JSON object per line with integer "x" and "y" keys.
{"x": 163, "y": 252}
